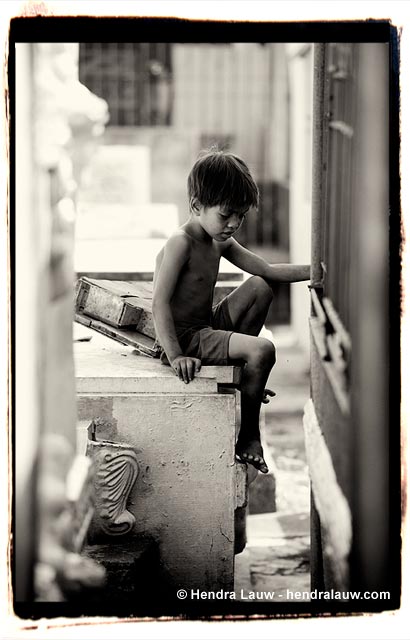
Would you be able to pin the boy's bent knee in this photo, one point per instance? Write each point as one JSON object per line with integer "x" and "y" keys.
{"x": 264, "y": 353}
{"x": 261, "y": 287}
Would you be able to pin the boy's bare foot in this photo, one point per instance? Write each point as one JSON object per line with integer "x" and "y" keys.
{"x": 253, "y": 454}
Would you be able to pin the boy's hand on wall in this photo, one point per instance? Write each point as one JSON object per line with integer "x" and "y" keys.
{"x": 186, "y": 367}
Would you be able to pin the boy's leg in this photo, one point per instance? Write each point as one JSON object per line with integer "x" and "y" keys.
{"x": 249, "y": 304}
{"x": 259, "y": 356}
{"x": 248, "y": 307}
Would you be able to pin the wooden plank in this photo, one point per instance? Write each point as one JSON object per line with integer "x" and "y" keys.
{"x": 126, "y": 304}
{"x": 117, "y": 303}
{"x": 113, "y": 302}
{"x": 142, "y": 343}
{"x": 101, "y": 303}
{"x": 125, "y": 288}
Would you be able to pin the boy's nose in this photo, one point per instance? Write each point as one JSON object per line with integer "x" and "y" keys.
{"x": 233, "y": 224}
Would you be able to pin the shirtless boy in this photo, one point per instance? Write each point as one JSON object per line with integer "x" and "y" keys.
{"x": 189, "y": 328}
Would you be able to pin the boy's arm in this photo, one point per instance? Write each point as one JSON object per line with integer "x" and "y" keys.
{"x": 176, "y": 253}
{"x": 257, "y": 266}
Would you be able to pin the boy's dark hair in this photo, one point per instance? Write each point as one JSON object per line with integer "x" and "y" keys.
{"x": 222, "y": 178}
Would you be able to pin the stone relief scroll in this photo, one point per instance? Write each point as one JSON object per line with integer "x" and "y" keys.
{"x": 116, "y": 471}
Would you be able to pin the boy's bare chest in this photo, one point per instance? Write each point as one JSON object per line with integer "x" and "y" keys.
{"x": 203, "y": 266}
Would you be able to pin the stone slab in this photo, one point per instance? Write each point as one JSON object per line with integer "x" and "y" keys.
{"x": 116, "y": 221}
{"x": 127, "y": 256}
{"x": 103, "y": 366}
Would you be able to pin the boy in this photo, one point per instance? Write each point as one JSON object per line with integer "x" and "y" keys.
{"x": 190, "y": 330}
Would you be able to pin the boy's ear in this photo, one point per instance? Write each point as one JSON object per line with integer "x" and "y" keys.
{"x": 195, "y": 205}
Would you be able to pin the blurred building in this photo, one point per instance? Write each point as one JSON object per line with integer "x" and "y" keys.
{"x": 175, "y": 99}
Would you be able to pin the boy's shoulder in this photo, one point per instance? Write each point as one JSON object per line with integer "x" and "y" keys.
{"x": 178, "y": 246}
{"x": 178, "y": 240}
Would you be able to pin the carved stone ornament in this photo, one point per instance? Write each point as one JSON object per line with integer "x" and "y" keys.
{"x": 116, "y": 471}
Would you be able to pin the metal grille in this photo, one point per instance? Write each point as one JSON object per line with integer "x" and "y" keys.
{"x": 134, "y": 78}
{"x": 219, "y": 94}
{"x": 338, "y": 235}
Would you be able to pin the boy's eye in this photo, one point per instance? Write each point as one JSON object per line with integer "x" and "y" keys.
{"x": 241, "y": 216}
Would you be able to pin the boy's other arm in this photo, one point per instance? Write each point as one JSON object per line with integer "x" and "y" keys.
{"x": 176, "y": 253}
{"x": 257, "y": 266}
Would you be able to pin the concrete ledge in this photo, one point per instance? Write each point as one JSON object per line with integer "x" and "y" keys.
{"x": 104, "y": 366}
{"x": 330, "y": 502}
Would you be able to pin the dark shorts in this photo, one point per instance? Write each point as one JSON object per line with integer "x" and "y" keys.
{"x": 209, "y": 344}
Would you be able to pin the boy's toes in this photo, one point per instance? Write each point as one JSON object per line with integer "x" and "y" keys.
{"x": 255, "y": 460}
{"x": 263, "y": 468}
{"x": 260, "y": 464}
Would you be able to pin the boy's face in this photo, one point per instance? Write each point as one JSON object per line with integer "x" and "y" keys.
{"x": 220, "y": 223}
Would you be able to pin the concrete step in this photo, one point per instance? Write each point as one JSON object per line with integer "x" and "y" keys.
{"x": 276, "y": 558}
{"x": 281, "y": 524}
{"x": 133, "y": 573}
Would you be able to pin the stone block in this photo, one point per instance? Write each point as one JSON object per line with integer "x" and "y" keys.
{"x": 118, "y": 174}
{"x": 183, "y": 435}
{"x": 262, "y": 487}
{"x": 262, "y": 494}
{"x": 112, "y": 222}
{"x": 133, "y": 575}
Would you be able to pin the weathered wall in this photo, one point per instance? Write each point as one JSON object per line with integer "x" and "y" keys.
{"x": 55, "y": 117}
{"x": 30, "y": 257}
{"x": 376, "y": 325}
{"x": 351, "y": 446}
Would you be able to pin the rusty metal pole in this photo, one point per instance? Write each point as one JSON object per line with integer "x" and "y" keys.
{"x": 316, "y": 272}
{"x": 318, "y": 144}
